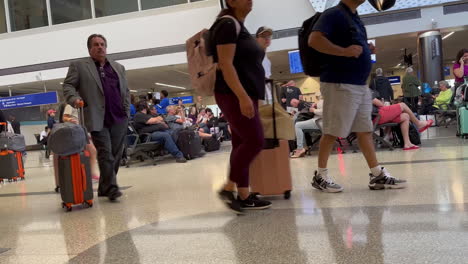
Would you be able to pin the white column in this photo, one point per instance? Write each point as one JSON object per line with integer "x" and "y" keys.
{"x": 9, "y": 90}
{"x": 7, "y": 15}
{"x": 93, "y": 10}
{"x": 139, "y": 5}
{"x": 49, "y": 13}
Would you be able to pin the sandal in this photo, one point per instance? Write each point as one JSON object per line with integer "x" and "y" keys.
{"x": 298, "y": 154}
{"x": 411, "y": 148}
{"x": 429, "y": 124}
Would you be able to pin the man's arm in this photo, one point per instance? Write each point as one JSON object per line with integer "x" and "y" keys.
{"x": 155, "y": 120}
{"x": 71, "y": 85}
{"x": 319, "y": 42}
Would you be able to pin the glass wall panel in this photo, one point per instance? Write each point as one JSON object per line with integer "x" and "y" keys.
{"x": 149, "y": 4}
{"x": 26, "y": 14}
{"x": 114, "y": 7}
{"x": 64, "y": 11}
{"x": 3, "y": 26}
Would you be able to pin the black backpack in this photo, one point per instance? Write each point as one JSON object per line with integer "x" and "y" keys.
{"x": 211, "y": 144}
{"x": 312, "y": 60}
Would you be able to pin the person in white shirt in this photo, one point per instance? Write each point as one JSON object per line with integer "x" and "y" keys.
{"x": 44, "y": 134}
{"x": 311, "y": 124}
{"x": 264, "y": 36}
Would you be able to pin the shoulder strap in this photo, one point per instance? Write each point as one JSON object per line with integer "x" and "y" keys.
{"x": 350, "y": 21}
{"x": 238, "y": 25}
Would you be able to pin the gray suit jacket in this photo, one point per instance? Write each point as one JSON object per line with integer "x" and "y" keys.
{"x": 83, "y": 82}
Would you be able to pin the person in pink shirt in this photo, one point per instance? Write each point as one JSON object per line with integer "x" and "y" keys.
{"x": 460, "y": 68}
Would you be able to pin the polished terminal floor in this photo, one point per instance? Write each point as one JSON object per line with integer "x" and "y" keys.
{"x": 170, "y": 214}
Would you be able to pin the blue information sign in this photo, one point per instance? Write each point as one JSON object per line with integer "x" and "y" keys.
{"x": 295, "y": 64}
{"x": 28, "y": 100}
{"x": 185, "y": 100}
{"x": 394, "y": 80}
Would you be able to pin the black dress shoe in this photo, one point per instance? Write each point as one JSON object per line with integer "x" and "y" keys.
{"x": 114, "y": 195}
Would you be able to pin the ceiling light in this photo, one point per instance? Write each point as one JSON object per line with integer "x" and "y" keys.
{"x": 171, "y": 86}
{"x": 133, "y": 91}
{"x": 448, "y": 35}
{"x": 61, "y": 83}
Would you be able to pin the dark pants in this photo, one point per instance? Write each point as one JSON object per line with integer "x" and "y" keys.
{"x": 412, "y": 103}
{"x": 165, "y": 138}
{"x": 109, "y": 143}
{"x": 247, "y": 137}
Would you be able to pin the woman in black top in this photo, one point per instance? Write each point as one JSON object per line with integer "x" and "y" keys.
{"x": 240, "y": 83}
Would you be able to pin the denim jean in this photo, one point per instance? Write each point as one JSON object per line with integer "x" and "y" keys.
{"x": 300, "y": 126}
{"x": 165, "y": 138}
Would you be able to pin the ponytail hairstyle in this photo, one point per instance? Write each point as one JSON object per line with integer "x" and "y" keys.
{"x": 227, "y": 11}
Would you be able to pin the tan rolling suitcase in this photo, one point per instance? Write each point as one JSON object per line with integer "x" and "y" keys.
{"x": 270, "y": 172}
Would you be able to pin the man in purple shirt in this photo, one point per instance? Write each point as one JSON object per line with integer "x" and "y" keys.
{"x": 101, "y": 84}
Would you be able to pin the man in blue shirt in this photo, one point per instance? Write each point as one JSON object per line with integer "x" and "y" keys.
{"x": 341, "y": 36}
{"x": 161, "y": 107}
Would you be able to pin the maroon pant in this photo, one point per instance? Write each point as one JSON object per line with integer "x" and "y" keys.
{"x": 247, "y": 137}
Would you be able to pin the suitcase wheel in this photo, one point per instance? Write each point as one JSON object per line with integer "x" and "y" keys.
{"x": 89, "y": 203}
{"x": 287, "y": 195}
{"x": 68, "y": 207}
{"x": 57, "y": 189}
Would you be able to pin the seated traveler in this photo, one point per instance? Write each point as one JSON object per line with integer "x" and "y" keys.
{"x": 442, "y": 100}
{"x": 176, "y": 123}
{"x": 401, "y": 114}
{"x": 317, "y": 110}
{"x": 159, "y": 130}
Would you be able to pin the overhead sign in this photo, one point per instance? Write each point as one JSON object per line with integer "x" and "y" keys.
{"x": 394, "y": 80}
{"x": 28, "y": 100}
{"x": 185, "y": 100}
{"x": 295, "y": 63}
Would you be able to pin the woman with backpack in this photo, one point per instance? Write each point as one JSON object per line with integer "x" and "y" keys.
{"x": 240, "y": 83}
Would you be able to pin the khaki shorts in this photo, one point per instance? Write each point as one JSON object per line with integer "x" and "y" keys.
{"x": 346, "y": 108}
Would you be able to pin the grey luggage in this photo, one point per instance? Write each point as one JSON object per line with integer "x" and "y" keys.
{"x": 76, "y": 186}
{"x": 11, "y": 162}
{"x": 74, "y": 167}
{"x": 12, "y": 141}
{"x": 66, "y": 139}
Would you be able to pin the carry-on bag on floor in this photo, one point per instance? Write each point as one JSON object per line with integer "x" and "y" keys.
{"x": 463, "y": 121}
{"x": 270, "y": 172}
{"x": 11, "y": 164}
{"x": 74, "y": 173}
{"x": 211, "y": 144}
{"x": 189, "y": 143}
{"x": 11, "y": 161}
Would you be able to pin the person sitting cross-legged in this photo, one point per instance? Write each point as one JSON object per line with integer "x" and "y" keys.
{"x": 401, "y": 114}
{"x": 159, "y": 130}
{"x": 317, "y": 110}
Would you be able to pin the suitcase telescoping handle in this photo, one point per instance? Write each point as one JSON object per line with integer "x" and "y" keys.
{"x": 80, "y": 106}
{"x": 273, "y": 112}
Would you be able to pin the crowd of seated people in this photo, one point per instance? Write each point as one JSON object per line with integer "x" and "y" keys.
{"x": 148, "y": 121}
{"x": 176, "y": 122}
